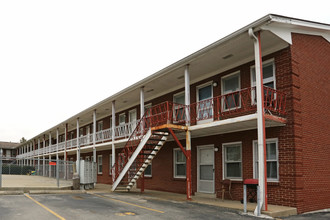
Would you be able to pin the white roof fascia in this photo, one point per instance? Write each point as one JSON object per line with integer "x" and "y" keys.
{"x": 283, "y": 27}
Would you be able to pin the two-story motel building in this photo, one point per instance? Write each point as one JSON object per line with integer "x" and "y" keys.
{"x": 203, "y": 119}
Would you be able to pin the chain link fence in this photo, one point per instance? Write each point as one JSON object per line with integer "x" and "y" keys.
{"x": 35, "y": 172}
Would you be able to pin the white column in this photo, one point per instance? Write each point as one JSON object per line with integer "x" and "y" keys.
{"x": 31, "y": 154}
{"x": 65, "y": 157}
{"x": 260, "y": 120}
{"x": 113, "y": 151}
{"x": 141, "y": 102}
{"x": 43, "y": 156}
{"x": 187, "y": 93}
{"x": 38, "y": 156}
{"x": 94, "y": 136}
{"x": 57, "y": 144}
{"x": 78, "y": 148}
{"x": 50, "y": 158}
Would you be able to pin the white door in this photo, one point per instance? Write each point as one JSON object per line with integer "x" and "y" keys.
{"x": 205, "y": 174}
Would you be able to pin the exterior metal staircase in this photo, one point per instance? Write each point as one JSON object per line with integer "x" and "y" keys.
{"x": 140, "y": 149}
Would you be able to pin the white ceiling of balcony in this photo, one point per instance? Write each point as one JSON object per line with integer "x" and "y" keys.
{"x": 239, "y": 49}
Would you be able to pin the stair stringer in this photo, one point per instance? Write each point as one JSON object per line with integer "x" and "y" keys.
{"x": 147, "y": 161}
{"x": 131, "y": 159}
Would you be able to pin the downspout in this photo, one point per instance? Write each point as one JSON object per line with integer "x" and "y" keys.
{"x": 262, "y": 165}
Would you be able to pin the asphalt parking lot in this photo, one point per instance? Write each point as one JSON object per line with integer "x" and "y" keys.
{"x": 113, "y": 206}
{"x": 104, "y": 206}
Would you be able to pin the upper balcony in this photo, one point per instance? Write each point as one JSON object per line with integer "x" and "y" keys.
{"x": 204, "y": 114}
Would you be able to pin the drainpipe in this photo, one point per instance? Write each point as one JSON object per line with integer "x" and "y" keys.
{"x": 262, "y": 165}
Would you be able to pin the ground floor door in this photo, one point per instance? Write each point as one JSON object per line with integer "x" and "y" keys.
{"x": 205, "y": 169}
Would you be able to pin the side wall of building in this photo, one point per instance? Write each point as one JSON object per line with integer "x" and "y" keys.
{"x": 311, "y": 78}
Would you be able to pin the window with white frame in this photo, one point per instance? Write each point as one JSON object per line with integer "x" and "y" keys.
{"x": 132, "y": 115}
{"x": 110, "y": 163}
{"x": 99, "y": 164}
{"x": 81, "y": 132}
{"x": 179, "y": 110}
{"x": 271, "y": 158}
{"x": 204, "y": 99}
{"x": 122, "y": 119}
{"x": 147, "y": 107}
{"x": 232, "y": 160}
{"x": 268, "y": 72}
{"x": 230, "y": 84}
{"x": 148, "y": 171}
{"x": 99, "y": 125}
{"x": 179, "y": 164}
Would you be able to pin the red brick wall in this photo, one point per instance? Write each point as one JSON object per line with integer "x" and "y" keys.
{"x": 311, "y": 89}
{"x": 281, "y": 193}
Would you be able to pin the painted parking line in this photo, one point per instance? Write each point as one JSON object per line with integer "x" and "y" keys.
{"x": 45, "y": 207}
{"x": 127, "y": 203}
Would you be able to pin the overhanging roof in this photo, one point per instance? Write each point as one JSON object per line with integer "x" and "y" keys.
{"x": 204, "y": 63}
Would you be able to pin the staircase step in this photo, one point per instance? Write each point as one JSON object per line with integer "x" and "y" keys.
{"x": 151, "y": 149}
{"x": 145, "y": 154}
{"x": 159, "y": 145}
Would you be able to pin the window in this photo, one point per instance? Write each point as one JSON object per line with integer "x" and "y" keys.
{"x": 271, "y": 158}
{"x": 87, "y": 158}
{"x": 268, "y": 71}
{"x": 147, "y": 171}
{"x": 99, "y": 125}
{"x": 81, "y": 132}
{"x": 122, "y": 119}
{"x": 132, "y": 115}
{"x": 132, "y": 120}
{"x": 179, "y": 164}
{"x": 99, "y": 164}
{"x": 179, "y": 111}
{"x": 204, "y": 97}
{"x": 229, "y": 85}
{"x": 110, "y": 163}
{"x": 71, "y": 135}
{"x": 232, "y": 160}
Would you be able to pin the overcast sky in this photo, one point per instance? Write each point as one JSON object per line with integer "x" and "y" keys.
{"x": 57, "y": 58}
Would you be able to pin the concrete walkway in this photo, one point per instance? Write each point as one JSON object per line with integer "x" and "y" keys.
{"x": 25, "y": 182}
{"x": 273, "y": 210}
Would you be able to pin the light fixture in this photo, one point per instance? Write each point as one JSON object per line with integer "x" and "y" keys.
{"x": 215, "y": 84}
{"x": 180, "y": 77}
{"x": 150, "y": 90}
{"x": 227, "y": 56}
{"x": 216, "y": 149}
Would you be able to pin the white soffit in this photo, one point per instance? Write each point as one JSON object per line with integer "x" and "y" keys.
{"x": 283, "y": 28}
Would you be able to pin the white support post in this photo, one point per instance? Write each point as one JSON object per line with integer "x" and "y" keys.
{"x": 262, "y": 166}
{"x": 43, "y": 157}
{"x": 65, "y": 156}
{"x": 141, "y": 102}
{"x": 50, "y": 158}
{"x": 113, "y": 151}
{"x": 57, "y": 162}
{"x": 94, "y": 136}
{"x": 57, "y": 144}
{"x": 31, "y": 154}
{"x": 187, "y": 93}
{"x": 38, "y": 156}
{"x": 78, "y": 149}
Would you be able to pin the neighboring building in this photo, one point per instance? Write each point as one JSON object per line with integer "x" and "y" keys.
{"x": 211, "y": 96}
{"x": 9, "y": 149}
